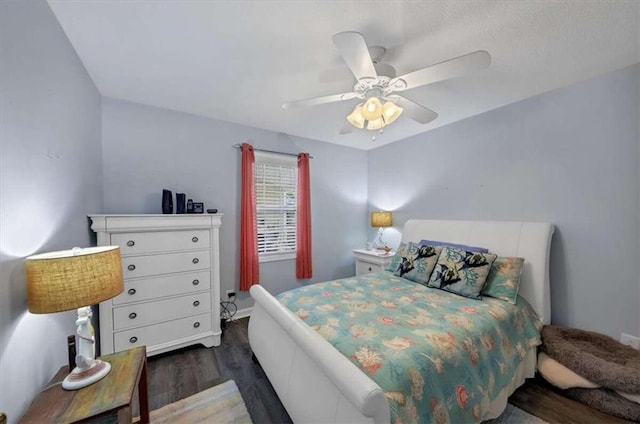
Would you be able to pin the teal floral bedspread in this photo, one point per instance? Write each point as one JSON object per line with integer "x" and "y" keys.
{"x": 438, "y": 356}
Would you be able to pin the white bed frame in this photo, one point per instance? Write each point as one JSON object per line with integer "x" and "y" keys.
{"x": 316, "y": 383}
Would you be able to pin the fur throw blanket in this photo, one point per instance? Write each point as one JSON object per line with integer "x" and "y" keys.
{"x": 563, "y": 378}
{"x": 596, "y": 357}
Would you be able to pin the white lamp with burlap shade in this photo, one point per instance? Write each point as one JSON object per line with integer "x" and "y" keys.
{"x": 76, "y": 279}
{"x": 381, "y": 219}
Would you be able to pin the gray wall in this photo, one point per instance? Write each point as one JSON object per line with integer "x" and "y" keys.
{"x": 147, "y": 149}
{"x": 569, "y": 157}
{"x": 50, "y": 178}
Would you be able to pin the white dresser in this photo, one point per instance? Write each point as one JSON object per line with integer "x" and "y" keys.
{"x": 171, "y": 267}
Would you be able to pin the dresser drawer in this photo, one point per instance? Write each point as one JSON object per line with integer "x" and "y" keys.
{"x": 135, "y": 315}
{"x": 160, "y": 241}
{"x": 143, "y": 266}
{"x": 367, "y": 268}
{"x": 161, "y": 286}
{"x": 171, "y": 331}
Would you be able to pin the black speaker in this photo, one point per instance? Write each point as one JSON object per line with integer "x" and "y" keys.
{"x": 181, "y": 201}
{"x": 167, "y": 201}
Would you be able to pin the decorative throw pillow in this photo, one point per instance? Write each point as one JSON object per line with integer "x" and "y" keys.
{"x": 503, "y": 281}
{"x": 459, "y": 246}
{"x": 397, "y": 258}
{"x": 418, "y": 262}
{"x": 461, "y": 271}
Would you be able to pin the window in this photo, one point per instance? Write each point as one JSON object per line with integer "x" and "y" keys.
{"x": 276, "y": 188}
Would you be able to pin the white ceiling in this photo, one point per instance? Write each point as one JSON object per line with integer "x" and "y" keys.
{"x": 239, "y": 61}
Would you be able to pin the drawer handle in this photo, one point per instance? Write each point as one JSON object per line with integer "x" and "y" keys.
{"x": 131, "y": 267}
{"x": 195, "y": 260}
{"x": 131, "y": 291}
{"x": 133, "y": 339}
{"x": 196, "y": 324}
{"x": 195, "y": 282}
{"x": 133, "y": 315}
{"x": 196, "y": 302}
{"x": 195, "y": 239}
{"x": 131, "y": 243}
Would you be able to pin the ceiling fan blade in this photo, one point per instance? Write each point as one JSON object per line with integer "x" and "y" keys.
{"x": 415, "y": 111}
{"x": 354, "y": 51}
{"x": 451, "y": 68}
{"x": 347, "y": 128}
{"x": 319, "y": 100}
{"x": 335, "y": 75}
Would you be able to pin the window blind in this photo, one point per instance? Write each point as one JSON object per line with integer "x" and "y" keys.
{"x": 276, "y": 188}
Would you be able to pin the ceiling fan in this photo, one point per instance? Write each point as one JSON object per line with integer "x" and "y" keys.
{"x": 377, "y": 84}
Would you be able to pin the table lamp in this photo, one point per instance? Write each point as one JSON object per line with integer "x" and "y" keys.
{"x": 381, "y": 219}
{"x": 75, "y": 279}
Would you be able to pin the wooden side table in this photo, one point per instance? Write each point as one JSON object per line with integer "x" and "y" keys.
{"x": 114, "y": 393}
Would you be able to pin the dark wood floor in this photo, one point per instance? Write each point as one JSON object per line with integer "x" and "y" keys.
{"x": 179, "y": 374}
{"x": 182, "y": 373}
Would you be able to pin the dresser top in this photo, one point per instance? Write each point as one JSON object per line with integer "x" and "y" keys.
{"x": 139, "y": 215}
{"x": 130, "y": 222}
{"x": 375, "y": 253}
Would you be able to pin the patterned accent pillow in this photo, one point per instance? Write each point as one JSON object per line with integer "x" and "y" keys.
{"x": 459, "y": 246}
{"x": 418, "y": 262}
{"x": 397, "y": 258}
{"x": 461, "y": 271}
{"x": 503, "y": 281}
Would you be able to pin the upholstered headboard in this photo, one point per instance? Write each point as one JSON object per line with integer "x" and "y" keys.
{"x": 528, "y": 240}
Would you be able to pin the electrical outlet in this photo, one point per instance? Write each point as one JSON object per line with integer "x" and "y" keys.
{"x": 629, "y": 340}
{"x": 231, "y": 294}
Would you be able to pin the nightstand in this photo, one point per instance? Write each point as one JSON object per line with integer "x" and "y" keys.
{"x": 111, "y": 395}
{"x": 368, "y": 261}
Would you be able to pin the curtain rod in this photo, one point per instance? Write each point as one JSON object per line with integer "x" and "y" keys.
{"x": 239, "y": 146}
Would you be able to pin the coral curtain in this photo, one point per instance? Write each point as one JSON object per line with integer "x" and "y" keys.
{"x": 249, "y": 260}
{"x": 304, "y": 269}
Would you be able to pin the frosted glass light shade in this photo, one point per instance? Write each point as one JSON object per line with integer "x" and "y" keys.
{"x": 372, "y": 109}
{"x": 391, "y": 112}
{"x": 356, "y": 119}
{"x": 376, "y": 124}
{"x": 373, "y": 115}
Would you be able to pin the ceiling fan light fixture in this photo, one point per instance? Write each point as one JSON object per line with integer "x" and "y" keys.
{"x": 391, "y": 112}
{"x": 388, "y": 112}
{"x": 356, "y": 119}
{"x": 372, "y": 109}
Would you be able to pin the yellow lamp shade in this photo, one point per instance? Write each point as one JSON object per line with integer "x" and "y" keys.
{"x": 70, "y": 279}
{"x": 372, "y": 109}
{"x": 356, "y": 119}
{"x": 381, "y": 219}
{"x": 391, "y": 112}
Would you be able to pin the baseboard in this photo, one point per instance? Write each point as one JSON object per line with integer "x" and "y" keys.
{"x": 242, "y": 313}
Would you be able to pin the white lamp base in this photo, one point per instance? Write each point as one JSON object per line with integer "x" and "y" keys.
{"x": 79, "y": 378}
